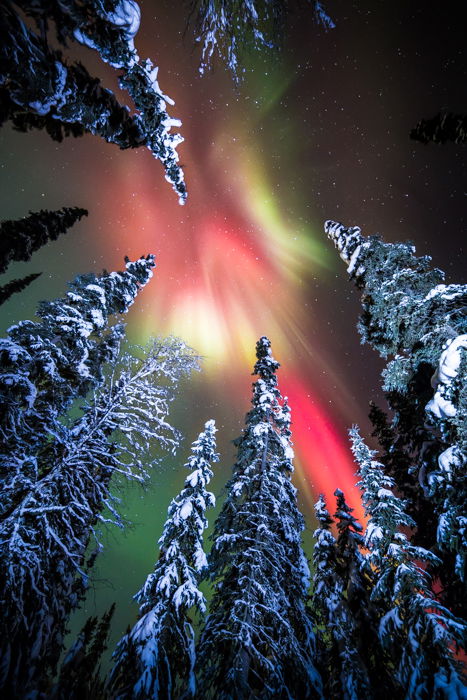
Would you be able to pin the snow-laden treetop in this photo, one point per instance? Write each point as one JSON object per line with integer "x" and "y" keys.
{"x": 266, "y": 366}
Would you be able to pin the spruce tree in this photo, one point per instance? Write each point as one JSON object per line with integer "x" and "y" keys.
{"x": 39, "y": 89}
{"x": 418, "y": 633}
{"x": 411, "y": 317}
{"x": 258, "y": 640}
{"x": 55, "y": 473}
{"x": 7, "y": 290}
{"x": 349, "y": 544}
{"x": 20, "y": 239}
{"x": 155, "y": 659}
{"x": 343, "y": 665}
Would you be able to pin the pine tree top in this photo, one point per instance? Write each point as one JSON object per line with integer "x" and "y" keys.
{"x": 322, "y": 513}
{"x": 182, "y": 557}
{"x": 343, "y": 515}
{"x": 266, "y": 366}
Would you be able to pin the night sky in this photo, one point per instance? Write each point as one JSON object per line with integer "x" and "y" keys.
{"x": 319, "y": 132}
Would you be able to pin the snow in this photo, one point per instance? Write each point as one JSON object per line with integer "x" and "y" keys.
{"x": 450, "y": 359}
{"x": 97, "y": 318}
{"x": 260, "y": 429}
{"x": 449, "y": 458}
{"x": 43, "y": 107}
{"x": 441, "y": 407}
{"x": 10, "y": 379}
{"x": 448, "y": 367}
{"x": 126, "y": 15}
{"x": 83, "y": 39}
{"x": 354, "y": 259}
{"x": 373, "y": 532}
{"x": 288, "y": 451}
{"x": 194, "y": 478}
{"x": 98, "y": 290}
{"x": 447, "y": 292}
{"x": 345, "y": 239}
{"x": 14, "y": 351}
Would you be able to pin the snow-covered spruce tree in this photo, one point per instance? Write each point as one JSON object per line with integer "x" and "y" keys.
{"x": 231, "y": 28}
{"x": 39, "y": 89}
{"x": 412, "y": 317}
{"x": 44, "y": 367}
{"x": 342, "y": 666}
{"x": 155, "y": 659}
{"x": 47, "y": 534}
{"x": 418, "y": 632}
{"x": 258, "y": 640}
{"x": 443, "y": 127}
{"x": 19, "y": 239}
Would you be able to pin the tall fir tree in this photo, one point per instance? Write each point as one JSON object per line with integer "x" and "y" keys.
{"x": 39, "y": 89}
{"x": 343, "y": 665}
{"x": 155, "y": 659}
{"x": 412, "y": 317}
{"x": 258, "y": 639}
{"x": 418, "y": 633}
{"x": 56, "y": 471}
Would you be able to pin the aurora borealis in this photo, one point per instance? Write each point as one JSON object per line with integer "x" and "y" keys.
{"x": 319, "y": 132}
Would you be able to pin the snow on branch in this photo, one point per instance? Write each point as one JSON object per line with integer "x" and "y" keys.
{"x": 64, "y": 99}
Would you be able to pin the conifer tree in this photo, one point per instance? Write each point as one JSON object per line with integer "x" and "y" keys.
{"x": 80, "y": 672}
{"x": 46, "y": 536}
{"x": 46, "y": 365}
{"x": 230, "y": 28}
{"x": 413, "y": 318}
{"x": 258, "y": 641}
{"x": 344, "y": 668}
{"x": 349, "y": 543}
{"x": 155, "y": 659}
{"x": 39, "y": 89}
{"x": 56, "y": 473}
{"x": 417, "y": 631}
{"x": 443, "y": 127}
{"x": 20, "y": 239}
{"x": 7, "y": 290}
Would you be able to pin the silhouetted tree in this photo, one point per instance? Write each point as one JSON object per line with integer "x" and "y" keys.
{"x": 15, "y": 286}
{"x": 80, "y": 672}
{"x": 441, "y": 128}
{"x": 21, "y": 238}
